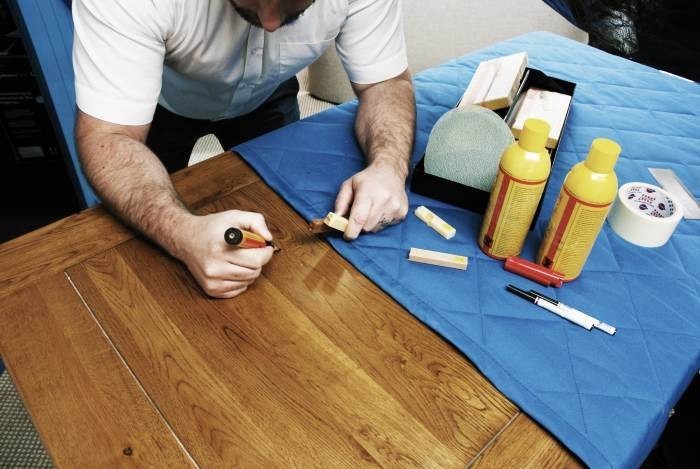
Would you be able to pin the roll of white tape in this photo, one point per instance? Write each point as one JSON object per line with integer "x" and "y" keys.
{"x": 644, "y": 215}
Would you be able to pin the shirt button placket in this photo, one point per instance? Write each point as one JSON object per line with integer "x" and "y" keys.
{"x": 252, "y": 70}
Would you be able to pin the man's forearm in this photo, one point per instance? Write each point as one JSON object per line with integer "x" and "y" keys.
{"x": 134, "y": 184}
{"x": 385, "y": 122}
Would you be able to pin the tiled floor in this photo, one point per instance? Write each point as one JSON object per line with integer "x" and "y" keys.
{"x": 19, "y": 444}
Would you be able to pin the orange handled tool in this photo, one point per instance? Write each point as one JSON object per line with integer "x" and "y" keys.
{"x": 246, "y": 239}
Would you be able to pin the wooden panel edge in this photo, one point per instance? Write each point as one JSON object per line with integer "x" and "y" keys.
{"x": 50, "y": 332}
{"x": 524, "y": 443}
{"x": 69, "y": 241}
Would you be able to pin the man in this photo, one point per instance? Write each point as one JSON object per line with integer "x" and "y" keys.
{"x": 226, "y": 64}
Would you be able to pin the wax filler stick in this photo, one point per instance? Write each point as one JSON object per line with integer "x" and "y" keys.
{"x": 442, "y": 259}
{"x": 336, "y": 221}
{"x": 435, "y": 222}
{"x": 331, "y": 222}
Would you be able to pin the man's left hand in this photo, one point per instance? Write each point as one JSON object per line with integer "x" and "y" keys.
{"x": 375, "y": 197}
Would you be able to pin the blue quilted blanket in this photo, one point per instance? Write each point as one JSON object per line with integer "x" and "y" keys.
{"x": 607, "y": 398}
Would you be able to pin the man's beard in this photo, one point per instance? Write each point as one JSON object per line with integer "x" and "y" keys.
{"x": 251, "y": 17}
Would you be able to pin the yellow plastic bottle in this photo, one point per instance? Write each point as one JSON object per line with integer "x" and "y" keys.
{"x": 522, "y": 174}
{"x": 584, "y": 201}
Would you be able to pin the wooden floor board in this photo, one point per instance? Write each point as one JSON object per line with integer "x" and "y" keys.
{"x": 211, "y": 421}
{"x": 278, "y": 360}
{"x": 83, "y": 384}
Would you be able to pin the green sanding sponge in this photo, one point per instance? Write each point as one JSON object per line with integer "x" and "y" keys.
{"x": 466, "y": 145}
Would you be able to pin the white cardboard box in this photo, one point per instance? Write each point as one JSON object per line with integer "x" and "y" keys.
{"x": 495, "y": 82}
{"x": 549, "y": 106}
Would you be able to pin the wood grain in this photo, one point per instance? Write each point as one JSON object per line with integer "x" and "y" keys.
{"x": 57, "y": 246}
{"x": 319, "y": 345}
{"x": 52, "y": 248}
{"x": 273, "y": 388}
{"x": 87, "y": 407}
{"x": 205, "y": 182}
{"x": 423, "y": 372}
{"x": 314, "y": 366}
{"x": 525, "y": 444}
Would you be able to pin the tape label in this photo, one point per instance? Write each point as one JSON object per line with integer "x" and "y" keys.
{"x": 507, "y": 219}
{"x": 649, "y": 201}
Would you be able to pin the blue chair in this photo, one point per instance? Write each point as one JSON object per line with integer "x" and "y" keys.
{"x": 47, "y": 28}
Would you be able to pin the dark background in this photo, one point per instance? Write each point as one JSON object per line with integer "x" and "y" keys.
{"x": 660, "y": 33}
{"x": 35, "y": 188}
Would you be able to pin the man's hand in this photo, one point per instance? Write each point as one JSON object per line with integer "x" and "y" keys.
{"x": 221, "y": 270}
{"x": 377, "y": 196}
{"x": 384, "y": 126}
{"x": 133, "y": 183}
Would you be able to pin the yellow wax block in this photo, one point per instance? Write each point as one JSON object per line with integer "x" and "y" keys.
{"x": 336, "y": 221}
{"x": 435, "y": 222}
{"x": 442, "y": 259}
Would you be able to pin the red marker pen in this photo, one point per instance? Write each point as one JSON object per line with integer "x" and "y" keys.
{"x": 246, "y": 239}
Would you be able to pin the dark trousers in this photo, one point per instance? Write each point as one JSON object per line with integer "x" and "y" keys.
{"x": 172, "y": 136}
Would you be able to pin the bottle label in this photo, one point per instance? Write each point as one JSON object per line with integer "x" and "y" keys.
{"x": 512, "y": 205}
{"x": 571, "y": 233}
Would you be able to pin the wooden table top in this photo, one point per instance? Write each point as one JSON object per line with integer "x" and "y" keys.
{"x": 122, "y": 360}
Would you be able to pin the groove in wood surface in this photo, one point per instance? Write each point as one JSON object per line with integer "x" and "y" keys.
{"x": 133, "y": 376}
{"x": 50, "y": 249}
{"x": 212, "y": 421}
{"x": 525, "y": 444}
{"x": 492, "y": 440}
{"x": 85, "y": 405}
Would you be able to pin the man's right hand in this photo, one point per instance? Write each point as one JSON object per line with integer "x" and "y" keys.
{"x": 223, "y": 271}
{"x": 133, "y": 183}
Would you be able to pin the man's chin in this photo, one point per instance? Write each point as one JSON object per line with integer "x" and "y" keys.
{"x": 246, "y": 14}
{"x": 251, "y": 17}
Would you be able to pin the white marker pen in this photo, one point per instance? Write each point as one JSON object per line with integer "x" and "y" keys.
{"x": 598, "y": 324}
{"x": 570, "y": 314}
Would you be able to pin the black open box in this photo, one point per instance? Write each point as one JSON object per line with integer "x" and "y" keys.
{"x": 473, "y": 199}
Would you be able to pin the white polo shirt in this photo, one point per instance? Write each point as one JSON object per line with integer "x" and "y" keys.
{"x": 200, "y": 59}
